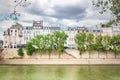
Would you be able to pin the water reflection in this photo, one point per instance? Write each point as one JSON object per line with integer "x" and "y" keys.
{"x": 59, "y": 72}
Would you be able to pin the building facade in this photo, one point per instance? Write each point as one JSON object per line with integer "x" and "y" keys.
{"x": 16, "y": 36}
{"x": 20, "y": 35}
{"x": 12, "y": 37}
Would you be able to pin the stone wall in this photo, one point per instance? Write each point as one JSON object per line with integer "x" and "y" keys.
{"x": 68, "y": 54}
{"x": 92, "y": 55}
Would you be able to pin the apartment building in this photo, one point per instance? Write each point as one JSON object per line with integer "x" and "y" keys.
{"x": 16, "y": 36}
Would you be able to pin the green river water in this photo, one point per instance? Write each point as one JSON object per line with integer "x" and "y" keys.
{"x": 59, "y": 72}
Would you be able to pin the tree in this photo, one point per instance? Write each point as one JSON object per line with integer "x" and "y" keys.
{"x": 23, "y": 3}
{"x": 50, "y": 44}
{"x": 38, "y": 43}
{"x": 44, "y": 43}
{"x": 59, "y": 40}
{"x": 106, "y": 43}
{"x": 80, "y": 40}
{"x": 115, "y": 43}
{"x": 20, "y": 51}
{"x": 90, "y": 42}
{"x": 112, "y": 6}
{"x": 29, "y": 48}
{"x": 99, "y": 45}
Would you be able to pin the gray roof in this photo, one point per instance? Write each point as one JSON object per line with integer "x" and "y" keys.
{"x": 76, "y": 28}
{"x": 27, "y": 28}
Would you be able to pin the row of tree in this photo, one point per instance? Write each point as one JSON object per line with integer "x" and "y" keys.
{"x": 99, "y": 43}
{"x": 47, "y": 43}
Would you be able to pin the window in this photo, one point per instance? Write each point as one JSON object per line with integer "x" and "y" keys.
{"x": 86, "y": 30}
{"x": 24, "y": 31}
{"x": 26, "y": 38}
{"x": 11, "y": 31}
{"x": 98, "y": 30}
{"x": 15, "y": 30}
{"x": 94, "y": 31}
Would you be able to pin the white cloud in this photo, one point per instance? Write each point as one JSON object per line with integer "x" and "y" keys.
{"x": 67, "y": 12}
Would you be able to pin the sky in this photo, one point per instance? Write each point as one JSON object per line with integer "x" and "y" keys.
{"x": 52, "y": 12}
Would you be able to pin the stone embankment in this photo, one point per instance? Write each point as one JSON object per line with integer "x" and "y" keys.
{"x": 61, "y": 61}
{"x": 69, "y": 57}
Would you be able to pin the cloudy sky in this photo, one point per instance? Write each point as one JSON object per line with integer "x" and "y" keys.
{"x": 52, "y": 12}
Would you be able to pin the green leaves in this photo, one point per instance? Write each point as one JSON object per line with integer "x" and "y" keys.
{"x": 112, "y": 6}
{"x": 99, "y": 43}
{"x": 59, "y": 40}
{"x": 80, "y": 39}
{"x": 115, "y": 43}
{"x": 20, "y": 51}
{"x": 29, "y": 48}
{"x": 90, "y": 42}
{"x": 44, "y": 43}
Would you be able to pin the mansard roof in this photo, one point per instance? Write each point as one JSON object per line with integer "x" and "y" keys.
{"x": 16, "y": 26}
{"x": 76, "y": 28}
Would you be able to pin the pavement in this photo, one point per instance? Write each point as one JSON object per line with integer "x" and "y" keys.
{"x": 61, "y": 61}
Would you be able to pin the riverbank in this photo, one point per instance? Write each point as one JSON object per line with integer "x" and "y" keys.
{"x": 60, "y": 62}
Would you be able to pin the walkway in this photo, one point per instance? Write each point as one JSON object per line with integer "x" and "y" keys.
{"x": 62, "y": 61}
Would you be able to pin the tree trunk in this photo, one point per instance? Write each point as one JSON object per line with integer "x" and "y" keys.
{"x": 59, "y": 56}
{"x": 49, "y": 55}
{"x": 89, "y": 56}
{"x": 115, "y": 55}
{"x": 98, "y": 54}
{"x": 80, "y": 54}
{"x": 106, "y": 55}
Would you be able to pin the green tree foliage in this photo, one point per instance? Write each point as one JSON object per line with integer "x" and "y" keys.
{"x": 106, "y": 43}
{"x": 59, "y": 40}
{"x": 46, "y": 43}
{"x": 29, "y": 48}
{"x": 80, "y": 39}
{"x": 50, "y": 44}
{"x": 98, "y": 43}
{"x": 20, "y": 51}
{"x": 39, "y": 42}
{"x": 115, "y": 43}
{"x": 90, "y": 42}
{"x": 112, "y": 6}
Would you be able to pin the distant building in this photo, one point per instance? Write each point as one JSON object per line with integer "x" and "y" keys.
{"x": 12, "y": 37}
{"x": 19, "y": 35}
{"x": 30, "y": 32}
{"x": 16, "y": 36}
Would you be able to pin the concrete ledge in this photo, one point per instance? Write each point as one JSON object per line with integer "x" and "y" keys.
{"x": 61, "y": 61}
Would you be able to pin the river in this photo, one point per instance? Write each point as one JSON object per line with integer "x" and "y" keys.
{"x": 33, "y": 72}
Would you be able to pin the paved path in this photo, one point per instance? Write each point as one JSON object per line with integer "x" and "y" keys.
{"x": 62, "y": 61}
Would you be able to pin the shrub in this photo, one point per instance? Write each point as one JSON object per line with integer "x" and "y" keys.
{"x": 20, "y": 51}
{"x": 29, "y": 48}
